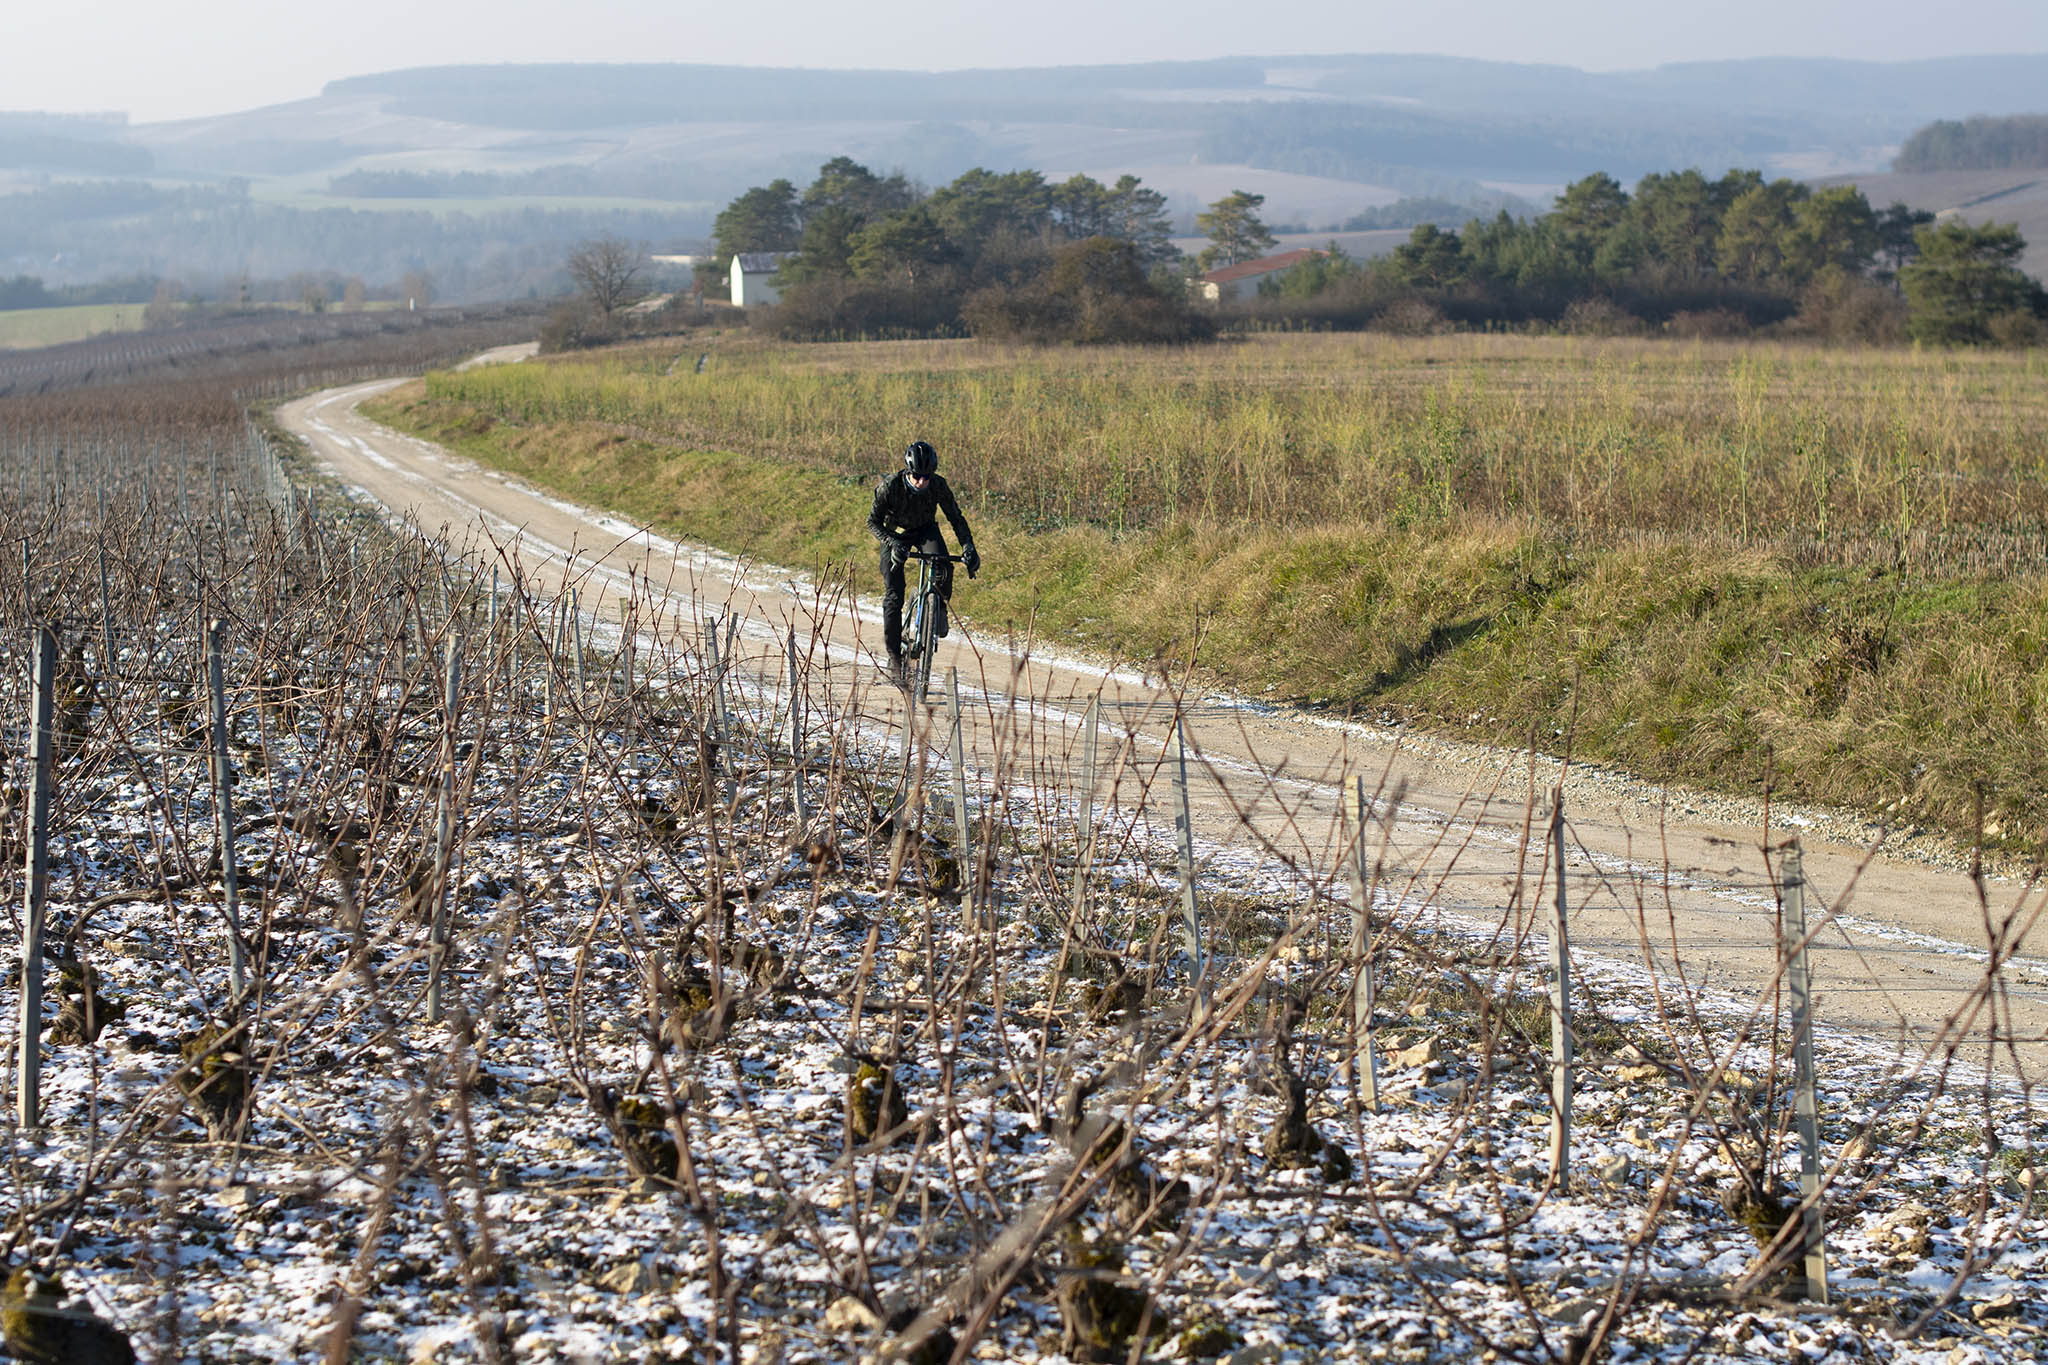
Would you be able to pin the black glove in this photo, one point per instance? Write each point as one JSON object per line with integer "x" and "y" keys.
{"x": 971, "y": 557}
{"x": 898, "y": 553}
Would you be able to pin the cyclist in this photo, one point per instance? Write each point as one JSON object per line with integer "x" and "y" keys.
{"x": 905, "y": 519}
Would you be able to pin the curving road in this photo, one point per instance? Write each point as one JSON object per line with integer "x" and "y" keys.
{"x": 1900, "y": 947}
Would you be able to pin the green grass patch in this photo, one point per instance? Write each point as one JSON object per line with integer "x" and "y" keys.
{"x": 29, "y": 327}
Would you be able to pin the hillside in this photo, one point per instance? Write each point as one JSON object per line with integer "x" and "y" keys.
{"x": 485, "y": 158}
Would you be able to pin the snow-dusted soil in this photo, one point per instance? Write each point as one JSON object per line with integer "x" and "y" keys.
{"x": 454, "y": 1190}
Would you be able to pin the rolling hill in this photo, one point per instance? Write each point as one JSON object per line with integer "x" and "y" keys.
{"x": 496, "y": 166}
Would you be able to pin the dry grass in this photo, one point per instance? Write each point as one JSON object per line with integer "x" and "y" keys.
{"x": 1830, "y": 454}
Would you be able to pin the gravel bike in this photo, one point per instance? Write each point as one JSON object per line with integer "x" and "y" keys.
{"x": 924, "y": 612}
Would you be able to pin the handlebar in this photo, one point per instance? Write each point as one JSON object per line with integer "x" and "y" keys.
{"x": 927, "y": 554}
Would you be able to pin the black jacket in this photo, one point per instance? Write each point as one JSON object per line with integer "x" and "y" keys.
{"x": 902, "y": 513}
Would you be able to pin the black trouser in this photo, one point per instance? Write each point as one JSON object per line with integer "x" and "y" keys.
{"x": 925, "y": 539}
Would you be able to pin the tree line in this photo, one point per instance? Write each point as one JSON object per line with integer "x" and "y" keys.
{"x": 2019, "y": 142}
{"x": 1003, "y": 254}
{"x": 1014, "y": 255}
{"x": 1687, "y": 253}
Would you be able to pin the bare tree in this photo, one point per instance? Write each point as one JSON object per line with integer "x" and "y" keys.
{"x": 163, "y": 309}
{"x": 607, "y": 270}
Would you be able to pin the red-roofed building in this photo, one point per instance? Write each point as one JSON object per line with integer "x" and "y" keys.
{"x": 1219, "y": 286}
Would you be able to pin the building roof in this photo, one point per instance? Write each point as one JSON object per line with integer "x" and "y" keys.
{"x": 1265, "y": 265}
{"x": 761, "y": 262}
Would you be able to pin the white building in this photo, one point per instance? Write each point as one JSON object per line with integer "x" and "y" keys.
{"x": 752, "y": 277}
{"x": 1222, "y": 286}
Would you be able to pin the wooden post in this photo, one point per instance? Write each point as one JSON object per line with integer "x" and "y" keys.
{"x": 576, "y": 639}
{"x": 444, "y": 836}
{"x": 720, "y": 716}
{"x": 629, "y": 635}
{"x": 715, "y": 658}
{"x": 1362, "y": 986}
{"x": 1806, "y": 1088}
{"x": 223, "y": 802}
{"x": 796, "y": 739}
{"x": 552, "y": 652}
{"x": 106, "y": 624}
{"x": 1084, "y": 847}
{"x": 964, "y": 853}
{"x": 1560, "y": 1007}
{"x": 35, "y": 876}
{"x": 1184, "y": 826}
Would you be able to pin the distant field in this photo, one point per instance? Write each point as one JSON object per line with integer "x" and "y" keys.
{"x": 290, "y": 195}
{"x": 25, "y": 327}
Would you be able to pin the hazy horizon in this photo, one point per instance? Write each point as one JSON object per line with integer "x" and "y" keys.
{"x": 158, "y": 63}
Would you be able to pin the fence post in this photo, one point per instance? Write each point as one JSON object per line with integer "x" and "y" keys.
{"x": 717, "y": 661}
{"x": 1363, "y": 991}
{"x": 1806, "y": 1089}
{"x": 720, "y": 716}
{"x": 553, "y": 645}
{"x": 576, "y": 639}
{"x": 1184, "y": 826}
{"x": 796, "y": 739}
{"x": 1560, "y": 1006}
{"x": 36, "y": 876}
{"x": 629, "y": 634}
{"x": 223, "y": 804}
{"x": 964, "y": 854}
{"x": 1084, "y": 848}
{"x": 106, "y": 623}
{"x": 444, "y": 835}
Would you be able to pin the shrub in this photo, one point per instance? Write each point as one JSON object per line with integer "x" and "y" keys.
{"x": 1704, "y": 324}
{"x": 841, "y": 308}
{"x": 2017, "y": 329}
{"x": 1411, "y": 318}
{"x": 1842, "y": 307}
{"x": 1096, "y": 292}
{"x": 1599, "y": 317}
{"x": 575, "y": 326}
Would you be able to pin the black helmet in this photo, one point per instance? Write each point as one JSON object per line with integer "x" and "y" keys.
{"x": 920, "y": 459}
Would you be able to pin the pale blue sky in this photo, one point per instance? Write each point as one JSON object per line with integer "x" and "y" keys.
{"x": 177, "y": 58}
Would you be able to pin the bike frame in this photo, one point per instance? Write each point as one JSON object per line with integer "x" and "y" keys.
{"x": 919, "y": 627}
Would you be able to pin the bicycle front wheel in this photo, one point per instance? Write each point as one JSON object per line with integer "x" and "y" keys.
{"x": 927, "y": 612}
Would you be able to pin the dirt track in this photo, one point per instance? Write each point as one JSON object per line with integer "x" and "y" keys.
{"x": 1900, "y": 950}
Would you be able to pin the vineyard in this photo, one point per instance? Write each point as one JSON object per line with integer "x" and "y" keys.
{"x": 260, "y": 354}
{"x": 426, "y": 964}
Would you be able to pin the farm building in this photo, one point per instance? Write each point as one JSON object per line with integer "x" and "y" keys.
{"x": 753, "y": 277}
{"x": 1221, "y": 286}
